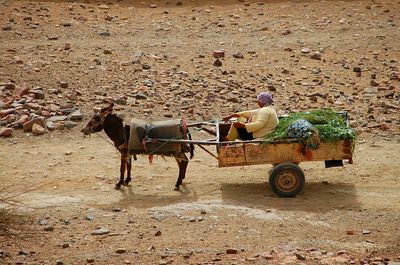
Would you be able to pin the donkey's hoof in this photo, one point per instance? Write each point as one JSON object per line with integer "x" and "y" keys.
{"x": 177, "y": 188}
{"x": 118, "y": 186}
{"x": 126, "y": 182}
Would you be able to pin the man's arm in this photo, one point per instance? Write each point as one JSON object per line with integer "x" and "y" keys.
{"x": 262, "y": 119}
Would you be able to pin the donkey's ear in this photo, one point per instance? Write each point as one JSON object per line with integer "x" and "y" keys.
{"x": 108, "y": 108}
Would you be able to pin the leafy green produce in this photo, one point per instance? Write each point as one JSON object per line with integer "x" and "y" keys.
{"x": 330, "y": 125}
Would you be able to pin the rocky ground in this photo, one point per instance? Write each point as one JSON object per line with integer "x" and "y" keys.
{"x": 201, "y": 60}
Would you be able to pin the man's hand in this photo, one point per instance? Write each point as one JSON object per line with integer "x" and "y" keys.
{"x": 227, "y": 118}
{"x": 239, "y": 125}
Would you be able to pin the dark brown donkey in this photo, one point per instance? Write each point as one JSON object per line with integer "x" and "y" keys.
{"x": 114, "y": 128}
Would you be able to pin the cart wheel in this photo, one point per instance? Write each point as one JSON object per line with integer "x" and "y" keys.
{"x": 286, "y": 179}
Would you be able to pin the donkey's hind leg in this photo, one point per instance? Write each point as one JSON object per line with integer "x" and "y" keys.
{"x": 128, "y": 171}
{"x": 182, "y": 162}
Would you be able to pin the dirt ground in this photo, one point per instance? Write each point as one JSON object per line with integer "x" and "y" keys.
{"x": 347, "y": 215}
{"x": 343, "y": 214}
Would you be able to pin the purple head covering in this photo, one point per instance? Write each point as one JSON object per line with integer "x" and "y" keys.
{"x": 265, "y": 98}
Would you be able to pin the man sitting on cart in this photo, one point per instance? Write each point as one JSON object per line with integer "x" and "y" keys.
{"x": 255, "y": 123}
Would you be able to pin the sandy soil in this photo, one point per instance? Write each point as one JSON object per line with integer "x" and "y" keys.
{"x": 346, "y": 215}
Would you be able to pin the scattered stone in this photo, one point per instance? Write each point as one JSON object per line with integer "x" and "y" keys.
{"x": 63, "y": 84}
{"x": 6, "y": 132}
{"x": 66, "y": 245}
{"x": 107, "y": 51}
{"x": 100, "y": 231}
{"x": 357, "y": 69}
{"x": 28, "y": 125}
{"x": 104, "y": 33}
{"x": 300, "y": 256}
{"x": 374, "y": 83}
{"x": 120, "y": 251}
{"x": 67, "y": 24}
{"x": 75, "y": 116}
{"x": 385, "y": 126}
{"x": 316, "y": 56}
{"x": 90, "y": 260}
{"x": 59, "y": 262}
{"x": 52, "y": 37}
{"x": 366, "y": 232}
{"x": 39, "y": 94}
{"x": 231, "y": 251}
{"x": 305, "y": 50}
{"x": 90, "y": 217}
{"x": 350, "y": 232}
{"x": 238, "y": 55}
{"x": 37, "y": 129}
{"x": 49, "y": 228}
{"x": 141, "y": 96}
{"x": 158, "y": 233}
{"x": 218, "y": 54}
{"x": 7, "y": 27}
{"x": 203, "y": 211}
{"x": 217, "y": 63}
{"x": 67, "y": 46}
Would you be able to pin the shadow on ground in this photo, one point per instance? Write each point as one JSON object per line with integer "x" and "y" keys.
{"x": 315, "y": 197}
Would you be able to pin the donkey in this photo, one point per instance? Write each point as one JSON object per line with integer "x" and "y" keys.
{"x": 119, "y": 133}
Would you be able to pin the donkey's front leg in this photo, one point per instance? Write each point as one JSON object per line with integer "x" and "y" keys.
{"x": 121, "y": 172}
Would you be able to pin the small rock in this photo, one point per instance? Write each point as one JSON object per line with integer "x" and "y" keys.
{"x": 75, "y": 116}
{"x": 153, "y": 6}
{"x": 63, "y": 84}
{"x": 316, "y": 56}
{"x": 8, "y": 27}
{"x": 50, "y": 126}
{"x": 28, "y": 125}
{"x": 141, "y": 96}
{"x": 37, "y": 129}
{"x": 158, "y": 233}
{"x": 67, "y": 46}
{"x": 90, "y": 217}
{"x": 374, "y": 83}
{"x": 106, "y": 51}
{"x": 357, "y": 69}
{"x": 104, "y": 33}
{"x": 217, "y": 63}
{"x": 366, "y": 232}
{"x": 66, "y": 245}
{"x": 350, "y": 232}
{"x": 231, "y": 251}
{"x": 6, "y": 132}
{"x": 120, "y": 251}
{"x": 305, "y": 50}
{"x": 67, "y": 24}
{"x": 48, "y": 228}
{"x": 238, "y": 55}
{"x": 52, "y": 37}
{"x": 218, "y": 54}
{"x": 385, "y": 126}
{"x": 39, "y": 94}
{"x": 300, "y": 256}
{"x": 90, "y": 260}
{"x": 59, "y": 262}
{"x": 203, "y": 211}
{"x": 100, "y": 231}
{"x": 286, "y": 32}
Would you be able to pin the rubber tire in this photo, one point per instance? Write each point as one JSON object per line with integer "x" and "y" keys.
{"x": 295, "y": 171}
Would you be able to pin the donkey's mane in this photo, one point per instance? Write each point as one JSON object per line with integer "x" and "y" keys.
{"x": 116, "y": 116}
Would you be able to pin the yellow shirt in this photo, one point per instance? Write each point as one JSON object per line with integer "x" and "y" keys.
{"x": 261, "y": 121}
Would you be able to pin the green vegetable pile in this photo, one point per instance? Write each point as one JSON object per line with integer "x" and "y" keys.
{"x": 330, "y": 125}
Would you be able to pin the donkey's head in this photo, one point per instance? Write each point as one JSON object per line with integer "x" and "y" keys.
{"x": 95, "y": 124}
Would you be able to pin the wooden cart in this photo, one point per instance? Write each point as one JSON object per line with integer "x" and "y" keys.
{"x": 286, "y": 177}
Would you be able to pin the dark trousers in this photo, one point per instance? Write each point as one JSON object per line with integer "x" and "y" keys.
{"x": 244, "y": 134}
